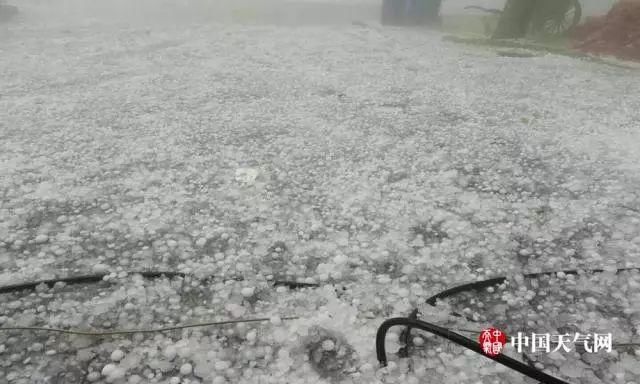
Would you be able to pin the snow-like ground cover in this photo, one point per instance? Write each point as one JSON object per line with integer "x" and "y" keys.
{"x": 384, "y": 164}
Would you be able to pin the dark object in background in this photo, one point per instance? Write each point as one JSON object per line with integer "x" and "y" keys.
{"x": 515, "y": 19}
{"x": 392, "y": 12}
{"x": 411, "y": 12}
{"x": 426, "y": 12}
{"x": 7, "y": 12}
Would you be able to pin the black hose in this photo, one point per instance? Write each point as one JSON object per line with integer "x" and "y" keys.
{"x": 97, "y": 278}
{"x": 294, "y": 284}
{"x": 86, "y": 279}
{"x": 477, "y": 285}
{"x": 507, "y": 361}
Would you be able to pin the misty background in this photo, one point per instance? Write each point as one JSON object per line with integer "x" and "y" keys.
{"x": 291, "y": 12}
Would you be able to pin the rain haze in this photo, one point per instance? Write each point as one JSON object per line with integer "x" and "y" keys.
{"x": 319, "y": 191}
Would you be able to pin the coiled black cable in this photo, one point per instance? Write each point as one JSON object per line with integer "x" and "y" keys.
{"x": 505, "y": 360}
{"x": 410, "y": 322}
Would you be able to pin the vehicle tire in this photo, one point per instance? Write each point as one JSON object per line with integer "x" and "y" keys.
{"x": 556, "y": 17}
